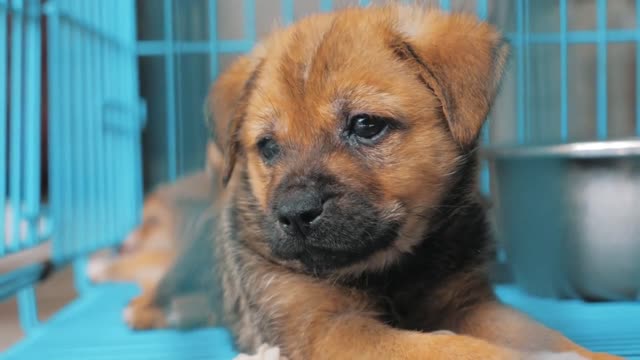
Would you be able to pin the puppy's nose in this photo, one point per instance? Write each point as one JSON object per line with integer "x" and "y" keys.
{"x": 298, "y": 211}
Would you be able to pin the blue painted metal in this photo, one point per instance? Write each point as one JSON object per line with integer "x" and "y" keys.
{"x": 87, "y": 120}
{"x": 170, "y": 79}
{"x": 117, "y": 147}
{"x": 287, "y": 11}
{"x": 93, "y": 120}
{"x": 519, "y": 45}
{"x": 249, "y": 7}
{"x": 227, "y": 46}
{"x": 76, "y": 122}
{"x": 485, "y": 176}
{"x": 4, "y": 167}
{"x": 59, "y": 130}
{"x": 68, "y": 212}
{"x": 94, "y": 139}
{"x": 139, "y": 114}
{"x": 213, "y": 39}
{"x": 92, "y": 328}
{"x": 15, "y": 280}
{"x": 564, "y": 66}
{"x": 234, "y": 46}
{"x": 526, "y": 124}
{"x": 67, "y": 14}
{"x": 16, "y": 117}
{"x": 27, "y": 308}
{"x": 601, "y": 109}
{"x": 54, "y": 112}
{"x": 81, "y": 282}
{"x": 101, "y": 66}
{"x": 482, "y": 9}
{"x": 109, "y": 73}
{"x": 32, "y": 124}
{"x": 585, "y": 37}
{"x": 159, "y": 47}
{"x": 612, "y": 327}
{"x": 445, "y": 5}
{"x": 364, "y": 2}
{"x": 326, "y": 5}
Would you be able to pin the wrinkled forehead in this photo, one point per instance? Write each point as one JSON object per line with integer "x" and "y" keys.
{"x": 321, "y": 69}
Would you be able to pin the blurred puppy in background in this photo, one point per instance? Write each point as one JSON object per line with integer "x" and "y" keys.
{"x": 147, "y": 251}
{"x": 167, "y": 220}
{"x": 173, "y": 216}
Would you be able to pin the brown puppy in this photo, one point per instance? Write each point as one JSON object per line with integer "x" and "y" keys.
{"x": 170, "y": 249}
{"x": 169, "y": 221}
{"x": 350, "y": 226}
{"x": 147, "y": 252}
{"x": 169, "y": 218}
{"x": 176, "y": 218}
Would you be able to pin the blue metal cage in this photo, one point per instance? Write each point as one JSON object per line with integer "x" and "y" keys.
{"x": 84, "y": 116}
{"x": 71, "y": 76}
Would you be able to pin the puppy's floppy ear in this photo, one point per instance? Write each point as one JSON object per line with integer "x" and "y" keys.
{"x": 225, "y": 109}
{"x": 214, "y": 159}
{"x": 461, "y": 61}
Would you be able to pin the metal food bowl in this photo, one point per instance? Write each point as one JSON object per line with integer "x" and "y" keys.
{"x": 568, "y": 217}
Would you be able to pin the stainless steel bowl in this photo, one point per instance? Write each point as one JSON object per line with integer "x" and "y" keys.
{"x": 569, "y": 217}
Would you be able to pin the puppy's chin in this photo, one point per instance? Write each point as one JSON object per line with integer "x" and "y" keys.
{"x": 324, "y": 259}
{"x": 342, "y": 239}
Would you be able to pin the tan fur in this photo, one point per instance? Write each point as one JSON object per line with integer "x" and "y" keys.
{"x": 151, "y": 248}
{"x": 319, "y": 321}
{"x": 493, "y": 321}
{"x": 146, "y": 253}
{"x": 142, "y": 312}
{"x": 437, "y": 75}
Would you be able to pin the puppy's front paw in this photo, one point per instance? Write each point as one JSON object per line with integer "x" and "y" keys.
{"x": 442, "y": 332}
{"x": 98, "y": 269}
{"x": 555, "y": 356}
{"x": 586, "y": 354}
{"x": 572, "y": 356}
{"x": 603, "y": 356}
{"x": 140, "y": 314}
{"x": 265, "y": 352}
{"x": 190, "y": 311}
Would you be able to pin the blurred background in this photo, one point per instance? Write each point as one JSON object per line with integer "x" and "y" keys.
{"x": 558, "y": 89}
{"x": 101, "y": 101}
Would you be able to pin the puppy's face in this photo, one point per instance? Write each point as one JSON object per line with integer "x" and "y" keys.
{"x": 351, "y": 125}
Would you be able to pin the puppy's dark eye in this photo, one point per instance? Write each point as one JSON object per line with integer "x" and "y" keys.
{"x": 367, "y": 126}
{"x": 268, "y": 149}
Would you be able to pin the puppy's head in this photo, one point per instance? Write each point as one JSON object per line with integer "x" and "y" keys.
{"x": 345, "y": 130}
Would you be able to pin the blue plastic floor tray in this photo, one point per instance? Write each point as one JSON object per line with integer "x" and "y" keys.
{"x": 92, "y": 328}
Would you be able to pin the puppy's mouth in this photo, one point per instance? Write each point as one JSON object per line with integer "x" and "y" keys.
{"x": 337, "y": 240}
{"x": 320, "y": 260}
